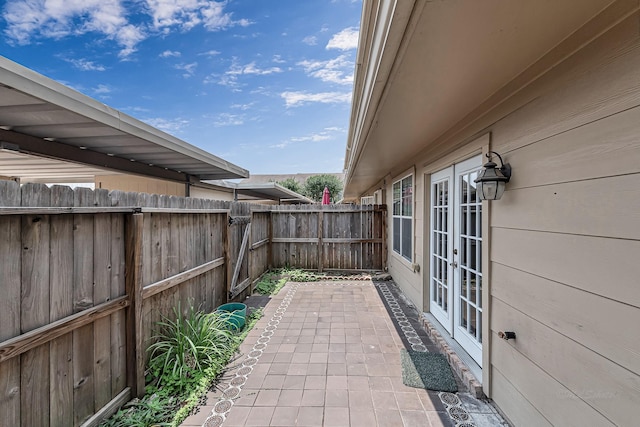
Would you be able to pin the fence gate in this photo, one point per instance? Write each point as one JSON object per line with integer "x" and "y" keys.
{"x": 240, "y": 230}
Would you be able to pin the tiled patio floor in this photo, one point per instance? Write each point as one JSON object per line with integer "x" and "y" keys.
{"x": 328, "y": 354}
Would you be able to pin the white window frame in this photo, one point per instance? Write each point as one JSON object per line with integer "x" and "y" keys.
{"x": 402, "y": 217}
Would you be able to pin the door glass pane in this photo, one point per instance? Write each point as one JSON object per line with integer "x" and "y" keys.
{"x": 396, "y": 234}
{"x": 406, "y": 238}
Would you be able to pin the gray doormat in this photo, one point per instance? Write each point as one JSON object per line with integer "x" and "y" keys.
{"x": 430, "y": 371}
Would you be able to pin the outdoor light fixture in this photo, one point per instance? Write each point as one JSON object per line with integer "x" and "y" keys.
{"x": 492, "y": 180}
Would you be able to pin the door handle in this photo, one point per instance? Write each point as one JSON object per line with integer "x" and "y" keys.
{"x": 453, "y": 264}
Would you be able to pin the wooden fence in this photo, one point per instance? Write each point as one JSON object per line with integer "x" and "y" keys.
{"x": 334, "y": 237}
{"x": 86, "y": 274}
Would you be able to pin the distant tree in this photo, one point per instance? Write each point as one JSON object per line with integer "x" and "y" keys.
{"x": 314, "y": 186}
{"x": 291, "y": 184}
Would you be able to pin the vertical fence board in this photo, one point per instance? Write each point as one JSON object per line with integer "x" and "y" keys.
{"x": 83, "y": 351}
{"x": 102, "y": 293}
{"x": 133, "y": 283}
{"x": 117, "y": 289}
{"x": 61, "y": 273}
{"x": 10, "y": 272}
{"x": 34, "y": 383}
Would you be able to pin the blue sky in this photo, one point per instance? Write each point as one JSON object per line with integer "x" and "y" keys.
{"x": 263, "y": 84}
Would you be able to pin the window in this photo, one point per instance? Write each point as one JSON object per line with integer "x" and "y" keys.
{"x": 403, "y": 216}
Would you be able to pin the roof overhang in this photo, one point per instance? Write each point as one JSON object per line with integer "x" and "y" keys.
{"x": 42, "y": 117}
{"x": 264, "y": 191}
{"x": 424, "y": 68}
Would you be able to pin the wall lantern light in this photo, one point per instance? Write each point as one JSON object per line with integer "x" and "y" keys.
{"x": 492, "y": 180}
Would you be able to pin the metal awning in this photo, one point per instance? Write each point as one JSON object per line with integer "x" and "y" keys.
{"x": 264, "y": 191}
{"x": 42, "y": 117}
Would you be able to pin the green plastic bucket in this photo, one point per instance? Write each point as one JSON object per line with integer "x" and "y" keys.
{"x": 235, "y": 314}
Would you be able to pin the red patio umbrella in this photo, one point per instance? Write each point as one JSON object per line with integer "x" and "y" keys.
{"x": 326, "y": 197}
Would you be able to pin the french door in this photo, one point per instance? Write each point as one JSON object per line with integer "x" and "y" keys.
{"x": 456, "y": 254}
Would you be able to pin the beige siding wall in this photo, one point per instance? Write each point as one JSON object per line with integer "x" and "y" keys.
{"x": 140, "y": 184}
{"x": 208, "y": 193}
{"x": 563, "y": 243}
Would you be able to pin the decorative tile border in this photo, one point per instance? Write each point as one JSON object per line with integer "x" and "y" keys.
{"x": 451, "y": 402}
{"x": 232, "y": 392}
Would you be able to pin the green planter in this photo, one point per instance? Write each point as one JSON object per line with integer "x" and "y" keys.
{"x": 234, "y": 313}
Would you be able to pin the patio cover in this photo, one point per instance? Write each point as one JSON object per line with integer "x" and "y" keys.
{"x": 41, "y": 117}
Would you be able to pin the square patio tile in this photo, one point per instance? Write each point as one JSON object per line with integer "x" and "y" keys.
{"x": 357, "y": 369}
{"x": 319, "y": 357}
{"x": 336, "y": 398}
{"x": 380, "y": 383}
{"x": 337, "y": 382}
{"x": 315, "y": 382}
{"x": 279, "y": 369}
{"x": 414, "y": 418}
{"x": 336, "y": 417}
{"x": 336, "y": 369}
{"x": 267, "y": 398}
{"x": 360, "y": 399}
{"x": 389, "y": 418}
{"x": 283, "y": 357}
{"x": 337, "y": 357}
{"x": 362, "y": 417}
{"x": 300, "y": 357}
{"x": 384, "y": 400}
{"x": 258, "y": 416}
{"x": 408, "y": 401}
{"x": 272, "y": 381}
{"x": 312, "y": 398}
{"x": 237, "y": 416}
{"x": 298, "y": 369}
{"x": 358, "y": 383}
{"x": 290, "y": 398}
{"x": 293, "y": 382}
{"x": 284, "y": 416}
{"x": 310, "y": 416}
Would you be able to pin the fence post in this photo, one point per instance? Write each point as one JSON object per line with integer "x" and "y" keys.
{"x": 133, "y": 284}
{"x": 320, "y": 245}
{"x": 227, "y": 258}
{"x": 270, "y": 246}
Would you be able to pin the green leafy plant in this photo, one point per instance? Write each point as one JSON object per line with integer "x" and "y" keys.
{"x": 270, "y": 283}
{"x": 299, "y": 275}
{"x": 186, "y": 345}
{"x": 291, "y": 184}
{"x": 175, "y": 384}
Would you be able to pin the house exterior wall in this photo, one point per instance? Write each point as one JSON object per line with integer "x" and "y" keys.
{"x": 208, "y": 193}
{"x": 563, "y": 244}
{"x": 140, "y": 184}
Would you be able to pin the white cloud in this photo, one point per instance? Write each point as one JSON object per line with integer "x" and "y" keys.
{"x": 243, "y": 107}
{"x": 170, "y": 54}
{"x": 27, "y": 20}
{"x": 56, "y": 19}
{"x": 338, "y": 70}
{"x": 324, "y": 135}
{"x": 294, "y": 99}
{"x": 310, "y": 40}
{"x": 189, "y": 69}
{"x": 84, "y": 65}
{"x": 187, "y": 14}
{"x": 230, "y": 77}
{"x": 227, "y": 119}
{"x": 346, "y": 39}
{"x": 210, "y": 53}
{"x": 102, "y": 89}
{"x": 174, "y": 125}
{"x": 278, "y": 59}
{"x": 251, "y": 68}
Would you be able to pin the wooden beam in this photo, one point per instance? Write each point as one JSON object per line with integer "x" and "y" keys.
{"x": 183, "y": 211}
{"x": 133, "y": 285}
{"x": 109, "y": 409}
{"x": 65, "y": 210}
{"x": 32, "y": 339}
{"x": 259, "y": 244}
{"x": 344, "y": 240}
{"x": 169, "y": 282}
{"x": 243, "y": 249}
